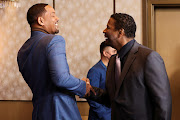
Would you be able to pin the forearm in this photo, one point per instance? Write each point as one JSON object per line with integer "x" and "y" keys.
{"x": 59, "y": 69}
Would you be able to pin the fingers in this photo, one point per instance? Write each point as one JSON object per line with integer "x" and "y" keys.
{"x": 88, "y": 87}
{"x": 88, "y": 83}
{"x": 86, "y": 80}
{"x": 93, "y": 91}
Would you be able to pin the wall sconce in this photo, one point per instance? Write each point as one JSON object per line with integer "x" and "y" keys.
{"x": 9, "y": 3}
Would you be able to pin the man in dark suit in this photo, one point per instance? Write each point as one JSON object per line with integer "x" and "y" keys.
{"x": 141, "y": 90}
{"x": 43, "y": 65}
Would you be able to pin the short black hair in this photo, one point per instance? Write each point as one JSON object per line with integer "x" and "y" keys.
{"x": 35, "y": 11}
{"x": 126, "y": 22}
{"x": 102, "y": 46}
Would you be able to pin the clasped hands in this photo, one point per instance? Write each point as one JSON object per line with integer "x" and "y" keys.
{"x": 88, "y": 87}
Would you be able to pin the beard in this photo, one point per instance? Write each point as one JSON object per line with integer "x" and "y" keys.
{"x": 56, "y": 32}
{"x": 110, "y": 43}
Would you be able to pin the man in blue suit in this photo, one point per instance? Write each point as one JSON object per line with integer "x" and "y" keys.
{"x": 97, "y": 77}
{"x": 43, "y": 65}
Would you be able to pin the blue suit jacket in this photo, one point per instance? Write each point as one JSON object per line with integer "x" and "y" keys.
{"x": 43, "y": 65}
{"x": 97, "y": 77}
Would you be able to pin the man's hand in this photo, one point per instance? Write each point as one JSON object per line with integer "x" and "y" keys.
{"x": 88, "y": 87}
{"x": 86, "y": 80}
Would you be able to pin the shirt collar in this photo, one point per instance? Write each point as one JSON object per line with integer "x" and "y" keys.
{"x": 103, "y": 64}
{"x": 125, "y": 49}
{"x": 39, "y": 29}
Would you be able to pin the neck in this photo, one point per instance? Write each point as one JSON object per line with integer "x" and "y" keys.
{"x": 39, "y": 29}
{"x": 105, "y": 61}
{"x": 123, "y": 42}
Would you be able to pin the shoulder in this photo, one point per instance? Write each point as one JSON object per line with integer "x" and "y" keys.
{"x": 147, "y": 52}
{"x": 142, "y": 50}
{"x": 56, "y": 39}
{"x": 49, "y": 39}
{"x": 98, "y": 65}
{"x": 96, "y": 68}
{"x": 57, "y": 44}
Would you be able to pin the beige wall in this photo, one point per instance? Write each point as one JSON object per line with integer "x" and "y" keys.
{"x": 14, "y": 30}
{"x": 81, "y": 24}
{"x": 133, "y": 8}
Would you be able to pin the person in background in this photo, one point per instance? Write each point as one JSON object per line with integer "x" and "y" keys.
{"x": 43, "y": 65}
{"x": 137, "y": 85}
{"x": 97, "y": 77}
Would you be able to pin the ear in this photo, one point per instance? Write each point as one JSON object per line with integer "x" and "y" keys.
{"x": 40, "y": 21}
{"x": 121, "y": 32}
{"x": 105, "y": 53}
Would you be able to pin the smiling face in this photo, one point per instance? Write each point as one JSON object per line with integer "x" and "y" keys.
{"x": 111, "y": 33}
{"x": 50, "y": 21}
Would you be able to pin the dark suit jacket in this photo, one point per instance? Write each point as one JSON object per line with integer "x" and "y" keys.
{"x": 42, "y": 62}
{"x": 143, "y": 91}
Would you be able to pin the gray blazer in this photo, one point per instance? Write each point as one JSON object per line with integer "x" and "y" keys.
{"x": 143, "y": 90}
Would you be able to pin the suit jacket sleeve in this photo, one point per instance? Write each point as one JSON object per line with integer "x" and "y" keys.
{"x": 59, "y": 69}
{"x": 157, "y": 82}
{"x": 100, "y": 97}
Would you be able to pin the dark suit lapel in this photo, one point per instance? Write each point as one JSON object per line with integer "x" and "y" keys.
{"x": 130, "y": 59}
{"x": 110, "y": 81}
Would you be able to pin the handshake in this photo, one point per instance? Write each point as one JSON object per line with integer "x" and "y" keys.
{"x": 88, "y": 88}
